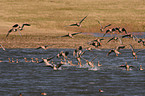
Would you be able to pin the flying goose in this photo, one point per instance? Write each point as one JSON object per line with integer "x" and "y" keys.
{"x": 116, "y": 50}
{"x": 43, "y": 47}
{"x": 109, "y": 31}
{"x": 77, "y": 24}
{"x": 18, "y": 28}
{"x": 115, "y": 38}
{"x": 126, "y": 66}
{"x": 90, "y": 63}
{"x": 71, "y": 35}
{"x": 102, "y": 28}
{"x": 133, "y": 52}
{"x": 46, "y": 61}
{"x": 121, "y": 30}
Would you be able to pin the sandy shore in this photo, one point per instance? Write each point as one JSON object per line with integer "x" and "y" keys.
{"x": 34, "y": 41}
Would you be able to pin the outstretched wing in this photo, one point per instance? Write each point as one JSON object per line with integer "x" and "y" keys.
{"x": 140, "y": 50}
{"x": 123, "y": 29}
{"x": 2, "y": 47}
{"x": 48, "y": 59}
{"x": 128, "y": 35}
{"x": 76, "y": 33}
{"x": 25, "y": 25}
{"x": 9, "y": 32}
{"x": 110, "y": 39}
{"x": 58, "y": 65}
{"x": 99, "y": 23}
{"x": 64, "y": 35}
{"x": 82, "y": 19}
{"x": 107, "y": 26}
{"x": 106, "y": 32}
{"x": 131, "y": 47}
{"x": 71, "y": 25}
{"x": 94, "y": 58}
{"x": 120, "y": 47}
{"x": 110, "y": 52}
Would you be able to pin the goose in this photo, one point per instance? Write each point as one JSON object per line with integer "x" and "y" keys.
{"x": 99, "y": 64}
{"x": 55, "y": 66}
{"x": 32, "y": 60}
{"x": 116, "y": 50}
{"x": 13, "y": 60}
{"x": 133, "y": 52}
{"x": 44, "y": 47}
{"x": 130, "y": 36}
{"x": 2, "y": 47}
{"x": 98, "y": 41}
{"x": 140, "y": 67}
{"x": 102, "y": 28}
{"x": 46, "y": 61}
{"x": 71, "y": 35}
{"x": 110, "y": 30}
{"x": 43, "y": 94}
{"x": 115, "y": 38}
{"x": 121, "y": 30}
{"x": 100, "y": 90}
{"x": 95, "y": 44}
{"x": 26, "y": 60}
{"x": 9, "y": 60}
{"x": 141, "y": 41}
{"x": 77, "y": 24}
{"x": 78, "y": 57}
{"x": 64, "y": 54}
{"x": 126, "y": 66}
{"x": 90, "y": 63}
{"x": 18, "y": 28}
{"x": 77, "y": 50}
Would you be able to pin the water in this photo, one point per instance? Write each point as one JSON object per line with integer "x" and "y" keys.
{"x": 138, "y": 34}
{"x": 31, "y": 78}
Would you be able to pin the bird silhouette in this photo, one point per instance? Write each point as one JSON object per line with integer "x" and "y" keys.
{"x": 77, "y": 24}
{"x": 134, "y": 54}
{"x": 109, "y": 31}
{"x": 116, "y": 50}
{"x": 71, "y": 35}
{"x": 18, "y": 28}
{"x": 102, "y": 28}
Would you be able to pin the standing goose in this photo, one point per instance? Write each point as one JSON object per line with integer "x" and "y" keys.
{"x": 18, "y": 28}
{"x": 116, "y": 50}
{"x": 77, "y": 24}
{"x": 133, "y": 52}
{"x": 102, "y": 28}
{"x": 77, "y": 50}
{"x": 71, "y": 35}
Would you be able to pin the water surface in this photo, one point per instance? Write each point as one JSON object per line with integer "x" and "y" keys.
{"x": 31, "y": 79}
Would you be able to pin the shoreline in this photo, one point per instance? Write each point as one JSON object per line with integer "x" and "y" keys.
{"x": 34, "y": 41}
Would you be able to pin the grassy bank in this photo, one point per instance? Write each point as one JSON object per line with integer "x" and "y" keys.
{"x": 48, "y": 18}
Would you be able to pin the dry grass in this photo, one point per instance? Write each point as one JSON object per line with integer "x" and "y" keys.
{"x": 48, "y": 17}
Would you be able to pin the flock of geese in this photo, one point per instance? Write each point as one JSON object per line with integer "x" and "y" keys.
{"x": 78, "y": 52}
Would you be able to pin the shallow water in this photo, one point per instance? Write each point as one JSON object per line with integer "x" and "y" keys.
{"x": 138, "y": 34}
{"x": 31, "y": 79}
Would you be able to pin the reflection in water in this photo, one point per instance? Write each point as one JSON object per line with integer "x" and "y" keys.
{"x": 30, "y": 78}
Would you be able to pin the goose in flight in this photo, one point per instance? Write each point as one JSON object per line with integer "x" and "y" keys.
{"x": 133, "y": 52}
{"x": 90, "y": 63}
{"x": 116, "y": 50}
{"x": 43, "y": 47}
{"x": 121, "y": 30}
{"x": 115, "y": 38}
{"x": 102, "y": 28}
{"x": 109, "y": 31}
{"x": 130, "y": 36}
{"x": 77, "y": 24}
{"x": 46, "y": 61}
{"x": 126, "y": 66}
{"x": 2, "y": 47}
{"x": 18, "y": 28}
{"x": 71, "y": 35}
